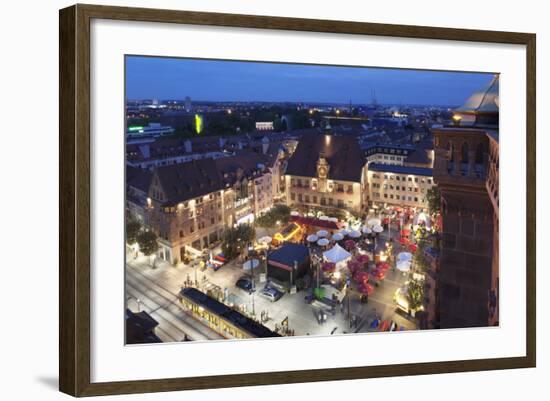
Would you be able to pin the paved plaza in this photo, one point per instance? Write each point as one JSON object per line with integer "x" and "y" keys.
{"x": 157, "y": 289}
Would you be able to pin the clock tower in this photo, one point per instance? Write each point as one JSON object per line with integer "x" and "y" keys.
{"x": 322, "y": 172}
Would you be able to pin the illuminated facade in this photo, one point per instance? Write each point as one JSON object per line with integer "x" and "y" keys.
{"x": 189, "y": 205}
{"x": 327, "y": 172}
{"x": 399, "y": 185}
{"x": 264, "y": 126}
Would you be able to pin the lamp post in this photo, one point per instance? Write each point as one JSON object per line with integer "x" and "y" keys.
{"x": 377, "y": 229}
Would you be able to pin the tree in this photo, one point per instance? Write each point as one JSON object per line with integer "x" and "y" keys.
{"x": 133, "y": 227}
{"x": 278, "y": 213}
{"x": 235, "y": 239}
{"x": 433, "y": 196}
{"x": 415, "y": 294}
{"x": 147, "y": 241}
{"x": 420, "y": 260}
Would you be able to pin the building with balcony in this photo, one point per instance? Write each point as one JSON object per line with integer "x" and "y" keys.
{"x": 466, "y": 171}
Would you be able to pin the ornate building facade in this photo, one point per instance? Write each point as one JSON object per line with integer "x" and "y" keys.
{"x": 189, "y": 205}
{"x": 327, "y": 172}
{"x": 466, "y": 171}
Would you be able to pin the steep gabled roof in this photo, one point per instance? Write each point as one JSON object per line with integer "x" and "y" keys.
{"x": 185, "y": 181}
{"x": 342, "y": 153}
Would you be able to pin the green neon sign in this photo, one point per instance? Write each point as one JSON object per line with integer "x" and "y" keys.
{"x": 135, "y": 128}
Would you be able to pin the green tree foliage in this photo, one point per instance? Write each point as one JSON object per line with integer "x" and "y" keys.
{"x": 133, "y": 228}
{"x": 147, "y": 241}
{"x": 276, "y": 213}
{"x": 433, "y": 195}
{"x": 236, "y": 239}
{"x": 299, "y": 119}
{"x": 415, "y": 294}
{"x": 279, "y": 125}
{"x": 420, "y": 260}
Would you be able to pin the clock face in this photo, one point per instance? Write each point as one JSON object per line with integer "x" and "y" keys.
{"x": 322, "y": 171}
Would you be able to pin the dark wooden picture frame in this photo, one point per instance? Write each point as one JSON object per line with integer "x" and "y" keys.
{"x": 74, "y": 203}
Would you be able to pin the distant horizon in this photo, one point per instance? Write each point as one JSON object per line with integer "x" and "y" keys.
{"x": 225, "y": 81}
{"x": 309, "y": 103}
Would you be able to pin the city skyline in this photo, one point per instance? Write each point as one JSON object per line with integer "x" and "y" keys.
{"x": 247, "y": 81}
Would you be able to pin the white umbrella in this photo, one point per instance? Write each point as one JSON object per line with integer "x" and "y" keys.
{"x": 312, "y": 238}
{"x": 355, "y": 234}
{"x": 294, "y": 213}
{"x": 404, "y": 256}
{"x": 251, "y": 264}
{"x": 373, "y": 222}
{"x": 333, "y": 219}
{"x": 338, "y": 237}
{"x": 324, "y": 218}
{"x": 322, "y": 233}
{"x": 265, "y": 240}
{"x": 323, "y": 242}
{"x": 366, "y": 230}
{"x": 404, "y": 265}
{"x": 345, "y": 232}
{"x": 378, "y": 229}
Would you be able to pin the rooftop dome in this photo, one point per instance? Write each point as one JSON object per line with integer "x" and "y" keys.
{"x": 484, "y": 100}
{"x": 481, "y": 108}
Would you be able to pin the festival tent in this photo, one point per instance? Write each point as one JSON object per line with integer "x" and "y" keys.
{"x": 363, "y": 258}
{"x": 378, "y": 274}
{"x": 404, "y": 265}
{"x": 350, "y": 244}
{"x": 404, "y": 256}
{"x": 337, "y": 255}
{"x": 323, "y": 242}
{"x": 366, "y": 288}
{"x": 312, "y": 238}
{"x": 354, "y": 234}
{"x": 338, "y": 237}
{"x": 373, "y": 222}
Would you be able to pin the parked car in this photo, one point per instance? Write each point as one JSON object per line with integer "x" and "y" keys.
{"x": 271, "y": 293}
{"x": 246, "y": 284}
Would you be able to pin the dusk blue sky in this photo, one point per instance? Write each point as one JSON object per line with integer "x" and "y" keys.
{"x": 175, "y": 78}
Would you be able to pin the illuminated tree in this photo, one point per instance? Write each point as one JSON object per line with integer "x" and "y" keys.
{"x": 147, "y": 241}
{"x": 133, "y": 227}
{"x": 433, "y": 196}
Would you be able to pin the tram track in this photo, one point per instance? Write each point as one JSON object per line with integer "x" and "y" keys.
{"x": 164, "y": 303}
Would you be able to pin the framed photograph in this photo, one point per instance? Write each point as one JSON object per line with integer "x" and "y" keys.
{"x": 250, "y": 200}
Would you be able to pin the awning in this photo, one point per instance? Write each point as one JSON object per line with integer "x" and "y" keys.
{"x": 336, "y": 254}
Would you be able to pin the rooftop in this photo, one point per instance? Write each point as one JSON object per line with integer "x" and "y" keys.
{"x": 342, "y": 153}
{"x": 485, "y": 100}
{"x": 387, "y": 168}
{"x": 290, "y": 253}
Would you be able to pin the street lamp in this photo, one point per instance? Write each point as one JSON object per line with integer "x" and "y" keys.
{"x": 138, "y": 301}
